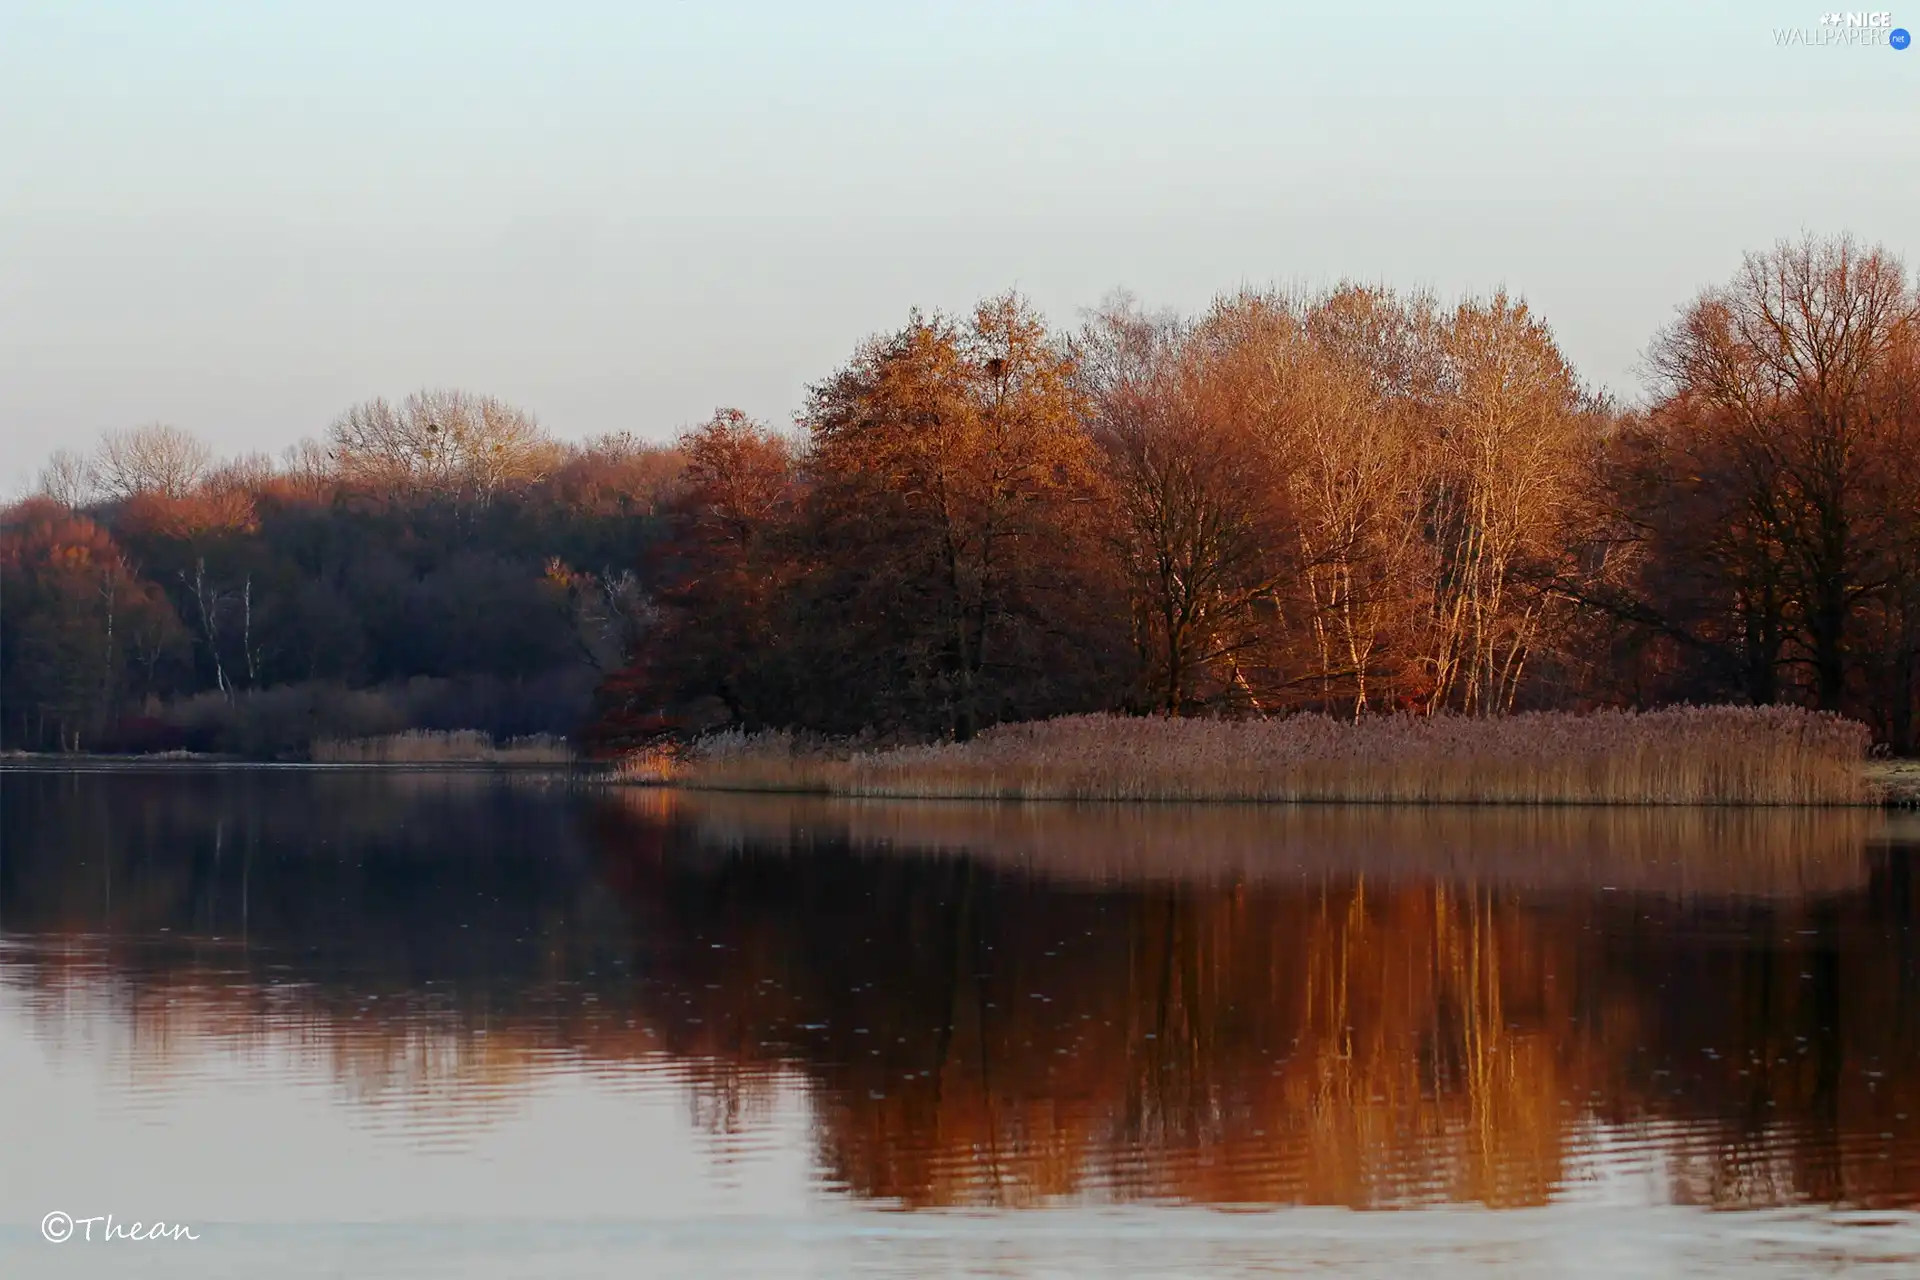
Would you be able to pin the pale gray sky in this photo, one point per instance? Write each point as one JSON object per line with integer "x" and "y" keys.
{"x": 241, "y": 218}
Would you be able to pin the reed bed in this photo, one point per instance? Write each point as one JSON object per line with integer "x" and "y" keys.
{"x": 654, "y": 765}
{"x": 425, "y": 746}
{"x": 1681, "y": 756}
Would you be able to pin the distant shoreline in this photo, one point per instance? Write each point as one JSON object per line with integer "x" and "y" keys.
{"x": 53, "y": 762}
{"x": 1895, "y": 784}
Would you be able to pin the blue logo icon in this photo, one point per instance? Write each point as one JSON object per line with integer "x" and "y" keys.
{"x": 1899, "y": 38}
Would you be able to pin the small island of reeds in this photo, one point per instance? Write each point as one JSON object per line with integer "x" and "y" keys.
{"x": 1680, "y": 756}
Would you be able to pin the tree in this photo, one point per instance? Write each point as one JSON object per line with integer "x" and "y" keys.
{"x": 153, "y": 459}
{"x": 69, "y": 479}
{"x": 732, "y": 566}
{"x": 1508, "y": 450}
{"x": 1888, "y": 649}
{"x": 1782, "y": 407}
{"x": 78, "y": 623}
{"x": 950, "y": 472}
{"x": 457, "y": 446}
{"x": 1192, "y": 475}
{"x": 1364, "y": 397}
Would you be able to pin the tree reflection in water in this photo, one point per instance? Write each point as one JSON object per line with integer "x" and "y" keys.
{"x": 1012, "y": 1006}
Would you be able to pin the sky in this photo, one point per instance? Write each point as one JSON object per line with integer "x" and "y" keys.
{"x": 243, "y": 218}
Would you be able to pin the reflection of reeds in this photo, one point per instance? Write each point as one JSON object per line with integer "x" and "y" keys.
{"x": 1687, "y": 755}
{"x": 1774, "y": 852}
{"x": 425, "y": 746}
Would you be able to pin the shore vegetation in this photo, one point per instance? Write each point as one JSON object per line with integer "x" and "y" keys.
{"x": 1685, "y": 755}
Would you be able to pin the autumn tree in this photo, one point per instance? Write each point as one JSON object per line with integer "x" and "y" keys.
{"x": 616, "y": 475}
{"x": 1189, "y": 455}
{"x": 1507, "y": 448}
{"x": 1785, "y": 409}
{"x": 732, "y": 540}
{"x": 79, "y": 630}
{"x": 1888, "y": 650}
{"x": 1346, "y": 502}
{"x": 1363, "y": 395}
{"x": 951, "y": 473}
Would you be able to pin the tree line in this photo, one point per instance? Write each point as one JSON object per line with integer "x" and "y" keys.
{"x": 440, "y": 563}
{"x": 1350, "y": 502}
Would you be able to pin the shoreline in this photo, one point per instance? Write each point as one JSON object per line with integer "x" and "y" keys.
{"x": 1897, "y": 783}
{"x": 52, "y": 763}
{"x": 1890, "y": 784}
{"x": 1906, "y": 799}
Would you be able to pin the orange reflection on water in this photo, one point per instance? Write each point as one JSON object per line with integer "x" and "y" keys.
{"x": 993, "y": 1007}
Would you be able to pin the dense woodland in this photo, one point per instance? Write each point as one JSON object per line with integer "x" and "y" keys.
{"x": 1351, "y": 502}
{"x": 438, "y": 564}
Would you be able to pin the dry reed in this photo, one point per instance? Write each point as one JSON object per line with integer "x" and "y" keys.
{"x": 1685, "y": 755}
{"x": 652, "y": 765}
{"x": 425, "y": 746}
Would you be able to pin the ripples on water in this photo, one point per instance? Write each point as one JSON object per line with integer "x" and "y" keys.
{"x": 502, "y": 1028}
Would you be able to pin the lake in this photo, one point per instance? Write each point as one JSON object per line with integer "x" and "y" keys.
{"x": 438, "y": 1024}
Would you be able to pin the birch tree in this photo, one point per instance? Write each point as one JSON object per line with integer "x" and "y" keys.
{"x": 1504, "y": 463}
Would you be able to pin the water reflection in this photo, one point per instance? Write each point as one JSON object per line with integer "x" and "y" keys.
{"x": 984, "y": 1006}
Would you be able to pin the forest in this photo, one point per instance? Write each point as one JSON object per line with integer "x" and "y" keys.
{"x": 1349, "y": 502}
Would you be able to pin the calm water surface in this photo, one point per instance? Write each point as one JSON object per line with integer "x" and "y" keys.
{"x": 355, "y": 1024}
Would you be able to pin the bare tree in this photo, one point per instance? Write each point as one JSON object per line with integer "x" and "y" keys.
{"x": 309, "y": 468}
{"x": 69, "y": 479}
{"x": 250, "y": 473}
{"x": 152, "y": 459}
{"x": 464, "y": 447}
{"x": 1781, "y": 377}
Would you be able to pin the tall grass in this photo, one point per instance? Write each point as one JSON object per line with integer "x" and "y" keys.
{"x": 651, "y": 765}
{"x": 463, "y": 746}
{"x": 1686, "y": 755}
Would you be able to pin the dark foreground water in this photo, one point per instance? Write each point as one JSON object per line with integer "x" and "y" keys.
{"x": 455, "y": 1025}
